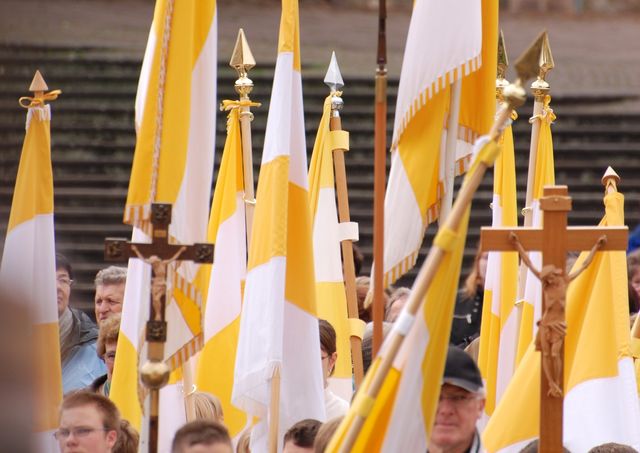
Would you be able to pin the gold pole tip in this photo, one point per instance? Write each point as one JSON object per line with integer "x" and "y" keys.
{"x": 38, "y": 83}
{"x": 546, "y": 58}
{"x": 242, "y": 59}
{"x": 503, "y": 59}
{"x": 527, "y": 65}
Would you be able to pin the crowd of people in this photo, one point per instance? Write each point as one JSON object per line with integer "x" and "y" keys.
{"x": 90, "y": 422}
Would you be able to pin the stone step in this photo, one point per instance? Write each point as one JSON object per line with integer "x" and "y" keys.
{"x": 93, "y": 143}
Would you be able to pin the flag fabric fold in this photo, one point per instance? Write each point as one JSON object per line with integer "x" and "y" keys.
{"x": 544, "y": 176}
{"x": 447, "y": 41}
{"x": 499, "y": 327}
{"x": 227, "y": 230}
{"x": 601, "y": 399}
{"x": 29, "y": 268}
{"x": 173, "y": 163}
{"x": 401, "y": 417}
{"x": 278, "y": 325}
{"x": 330, "y": 291}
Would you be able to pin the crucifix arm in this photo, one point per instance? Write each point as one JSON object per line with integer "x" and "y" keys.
{"x": 178, "y": 253}
{"x": 523, "y": 254}
{"x": 153, "y": 261}
{"x": 602, "y": 240}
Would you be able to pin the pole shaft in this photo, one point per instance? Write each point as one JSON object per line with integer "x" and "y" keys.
{"x": 342, "y": 194}
{"x": 274, "y": 411}
{"x": 247, "y": 166}
{"x": 450, "y": 149}
{"x": 187, "y": 387}
{"x": 153, "y": 420}
{"x": 380, "y": 164}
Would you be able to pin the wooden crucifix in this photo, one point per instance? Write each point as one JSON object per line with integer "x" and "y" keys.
{"x": 555, "y": 239}
{"x": 154, "y": 374}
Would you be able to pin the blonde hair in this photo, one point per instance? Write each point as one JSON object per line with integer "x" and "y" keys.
{"x": 109, "y": 331}
{"x": 128, "y": 439}
{"x": 474, "y": 280}
{"x": 243, "y": 442}
{"x": 325, "y": 433}
{"x": 208, "y": 407}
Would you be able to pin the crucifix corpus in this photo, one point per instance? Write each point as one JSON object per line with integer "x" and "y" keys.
{"x": 554, "y": 240}
{"x": 154, "y": 373}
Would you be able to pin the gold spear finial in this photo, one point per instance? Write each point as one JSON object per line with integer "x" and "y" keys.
{"x": 610, "y": 180}
{"x": 242, "y": 61}
{"x": 503, "y": 65}
{"x": 503, "y": 59}
{"x": 38, "y": 85}
{"x": 540, "y": 86}
{"x": 526, "y": 67}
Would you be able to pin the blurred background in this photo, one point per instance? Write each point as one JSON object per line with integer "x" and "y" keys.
{"x": 92, "y": 50}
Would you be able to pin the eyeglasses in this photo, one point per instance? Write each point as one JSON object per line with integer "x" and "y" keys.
{"x": 82, "y": 431}
{"x": 457, "y": 400}
{"x": 64, "y": 281}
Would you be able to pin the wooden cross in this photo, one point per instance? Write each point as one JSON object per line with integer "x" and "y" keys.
{"x": 154, "y": 374}
{"x": 555, "y": 239}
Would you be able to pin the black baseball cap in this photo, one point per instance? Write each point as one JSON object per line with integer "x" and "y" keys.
{"x": 461, "y": 370}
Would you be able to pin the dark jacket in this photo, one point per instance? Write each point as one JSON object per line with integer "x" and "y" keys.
{"x": 466, "y": 319}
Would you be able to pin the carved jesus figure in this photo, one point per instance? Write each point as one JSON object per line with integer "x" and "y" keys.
{"x": 552, "y": 327}
{"x": 159, "y": 280}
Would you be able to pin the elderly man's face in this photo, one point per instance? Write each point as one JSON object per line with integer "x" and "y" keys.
{"x": 108, "y": 300}
{"x": 456, "y": 417}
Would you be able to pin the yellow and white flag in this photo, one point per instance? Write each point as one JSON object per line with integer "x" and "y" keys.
{"x": 601, "y": 399}
{"x": 499, "y": 329}
{"x": 447, "y": 41}
{"x": 401, "y": 417}
{"x": 279, "y": 325}
{"x": 544, "y": 176}
{"x": 173, "y": 163}
{"x": 29, "y": 268}
{"x": 227, "y": 230}
{"x": 327, "y": 234}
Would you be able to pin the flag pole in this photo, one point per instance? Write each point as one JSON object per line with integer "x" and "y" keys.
{"x": 380, "y": 168}
{"x": 450, "y": 149}
{"x": 514, "y": 96}
{"x": 540, "y": 89}
{"x": 334, "y": 80}
{"x": 188, "y": 389}
{"x": 242, "y": 61}
{"x": 427, "y": 274}
{"x": 274, "y": 411}
{"x": 501, "y": 84}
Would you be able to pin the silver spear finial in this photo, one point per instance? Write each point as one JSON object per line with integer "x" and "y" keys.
{"x": 334, "y": 81}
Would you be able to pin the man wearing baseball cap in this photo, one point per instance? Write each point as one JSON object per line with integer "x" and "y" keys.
{"x": 461, "y": 404}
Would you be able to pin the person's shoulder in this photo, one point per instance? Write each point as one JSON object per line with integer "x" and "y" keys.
{"x": 87, "y": 328}
{"x": 82, "y": 368}
{"x": 97, "y": 382}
